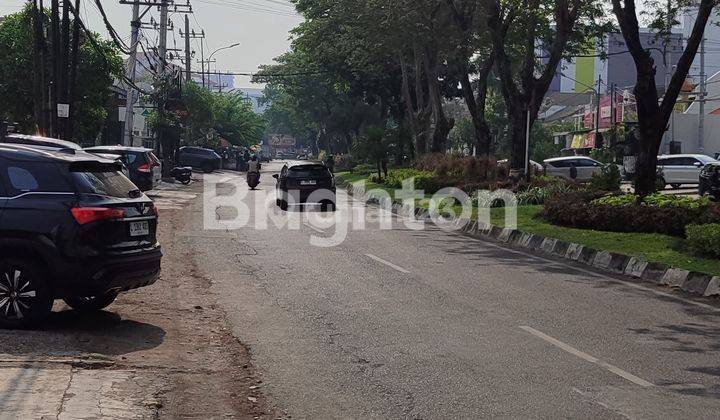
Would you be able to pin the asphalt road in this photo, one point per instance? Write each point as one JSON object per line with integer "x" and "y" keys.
{"x": 428, "y": 324}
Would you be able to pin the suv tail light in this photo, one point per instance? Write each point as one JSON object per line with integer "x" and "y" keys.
{"x": 145, "y": 167}
{"x": 85, "y": 215}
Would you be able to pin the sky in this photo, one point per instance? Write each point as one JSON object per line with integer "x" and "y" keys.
{"x": 260, "y": 26}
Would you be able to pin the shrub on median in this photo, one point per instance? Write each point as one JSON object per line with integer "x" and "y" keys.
{"x": 654, "y": 200}
{"x": 424, "y": 180}
{"x": 574, "y": 210}
{"x": 704, "y": 239}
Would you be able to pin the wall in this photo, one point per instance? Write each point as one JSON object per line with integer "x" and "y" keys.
{"x": 686, "y": 132}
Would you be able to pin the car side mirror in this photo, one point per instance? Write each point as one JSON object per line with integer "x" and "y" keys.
{"x": 698, "y": 165}
{"x": 276, "y": 176}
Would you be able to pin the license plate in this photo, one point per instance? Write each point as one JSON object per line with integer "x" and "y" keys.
{"x": 308, "y": 182}
{"x": 139, "y": 228}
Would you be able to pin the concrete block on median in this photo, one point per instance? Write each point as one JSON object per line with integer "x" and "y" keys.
{"x": 587, "y": 256}
{"x": 525, "y": 239}
{"x": 654, "y": 272}
{"x": 602, "y": 260}
{"x": 536, "y": 241}
{"x": 713, "y": 288}
{"x": 548, "y": 245}
{"x": 495, "y": 232}
{"x": 635, "y": 267}
{"x": 696, "y": 283}
{"x": 618, "y": 263}
{"x": 675, "y": 277}
{"x": 574, "y": 251}
{"x": 561, "y": 248}
{"x": 505, "y": 235}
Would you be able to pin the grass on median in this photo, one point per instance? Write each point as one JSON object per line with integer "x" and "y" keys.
{"x": 658, "y": 248}
{"x": 651, "y": 247}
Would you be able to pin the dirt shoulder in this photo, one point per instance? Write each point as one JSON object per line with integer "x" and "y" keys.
{"x": 162, "y": 351}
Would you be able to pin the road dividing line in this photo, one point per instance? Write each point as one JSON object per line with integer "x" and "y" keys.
{"x": 616, "y": 370}
{"x": 388, "y": 263}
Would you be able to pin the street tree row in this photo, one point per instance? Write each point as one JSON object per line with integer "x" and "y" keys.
{"x": 356, "y": 64}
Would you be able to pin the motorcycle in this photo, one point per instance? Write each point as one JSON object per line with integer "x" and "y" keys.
{"x": 182, "y": 174}
{"x": 253, "y": 179}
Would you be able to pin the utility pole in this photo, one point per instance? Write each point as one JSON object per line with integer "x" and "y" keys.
{"x": 132, "y": 69}
{"x": 55, "y": 60}
{"x": 188, "y": 53}
{"x": 703, "y": 88}
{"x": 73, "y": 70}
{"x": 162, "y": 48}
{"x": 597, "y": 103}
{"x": 612, "y": 105}
{"x": 37, "y": 68}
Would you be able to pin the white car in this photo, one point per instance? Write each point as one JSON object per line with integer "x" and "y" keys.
{"x": 682, "y": 169}
{"x": 584, "y": 167}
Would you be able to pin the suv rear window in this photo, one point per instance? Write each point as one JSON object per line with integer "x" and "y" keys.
{"x": 308, "y": 171}
{"x": 102, "y": 179}
{"x": 22, "y": 177}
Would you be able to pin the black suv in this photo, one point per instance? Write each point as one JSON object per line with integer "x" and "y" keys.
{"x": 72, "y": 227}
{"x": 710, "y": 180}
{"x": 308, "y": 182}
{"x": 144, "y": 167}
{"x": 205, "y": 159}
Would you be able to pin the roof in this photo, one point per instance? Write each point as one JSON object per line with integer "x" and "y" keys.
{"x": 686, "y": 155}
{"x": 40, "y": 141}
{"x": 118, "y": 149}
{"x": 23, "y": 152}
{"x": 306, "y": 163}
{"x": 559, "y": 159}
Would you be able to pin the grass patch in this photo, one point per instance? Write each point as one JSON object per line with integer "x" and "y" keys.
{"x": 651, "y": 247}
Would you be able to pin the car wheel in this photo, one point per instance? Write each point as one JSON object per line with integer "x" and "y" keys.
{"x": 25, "y": 297}
{"x": 283, "y": 205}
{"x": 675, "y": 186}
{"x": 91, "y": 303}
{"x": 208, "y": 168}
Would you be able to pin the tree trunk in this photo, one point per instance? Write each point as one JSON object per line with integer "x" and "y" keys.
{"x": 443, "y": 125}
{"x": 518, "y": 133}
{"x": 476, "y": 107}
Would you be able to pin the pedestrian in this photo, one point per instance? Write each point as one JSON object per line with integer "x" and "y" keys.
{"x": 384, "y": 164}
{"x": 330, "y": 163}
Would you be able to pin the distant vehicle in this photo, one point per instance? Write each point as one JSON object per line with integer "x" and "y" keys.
{"x": 145, "y": 168}
{"x": 301, "y": 157}
{"x": 576, "y": 168}
{"x": 681, "y": 169}
{"x": 710, "y": 181}
{"x": 28, "y": 140}
{"x": 535, "y": 167}
{"x": 73, "y": 227}
{"x": 197, "y": 157}
{"x": 306, "y": 183}
{"x": 118, "y": 159}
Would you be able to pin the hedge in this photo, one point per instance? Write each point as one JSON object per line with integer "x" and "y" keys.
{"x": 576, "y": 210}
{"x": 704, "y": 239}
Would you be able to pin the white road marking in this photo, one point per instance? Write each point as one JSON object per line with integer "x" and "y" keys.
{"x": 570, "y": 266}
{"x": 566, "y": 347}
{"x": 388, "y": 263}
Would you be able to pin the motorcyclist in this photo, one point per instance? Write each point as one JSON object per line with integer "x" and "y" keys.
{"x": 254, "y": 165}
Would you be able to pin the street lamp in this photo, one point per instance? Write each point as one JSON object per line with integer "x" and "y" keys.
{"x": 237, "y": 44}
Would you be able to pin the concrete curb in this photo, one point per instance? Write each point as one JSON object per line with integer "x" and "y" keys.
{"x": 695, "y": 283}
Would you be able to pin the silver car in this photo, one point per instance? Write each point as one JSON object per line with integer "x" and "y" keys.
{"x": 682, "y": 169}
{"x": 576, "y": 168}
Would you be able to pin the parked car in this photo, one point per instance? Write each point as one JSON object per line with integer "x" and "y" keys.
{"x": 28, "y": 140}
{"x": 72, "y": 227}
{"x": 710, "y": 181}
{"x": 535, "y": 168}
{"x": 676, "y": 170}
{"x": 577, "y": 168}
{"x": 305, "y": 183}
{"x": 144, "y": 167}
{"x": 197, "y": 157}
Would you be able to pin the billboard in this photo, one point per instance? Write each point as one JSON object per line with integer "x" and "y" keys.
{"x": 281, "y": 140}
